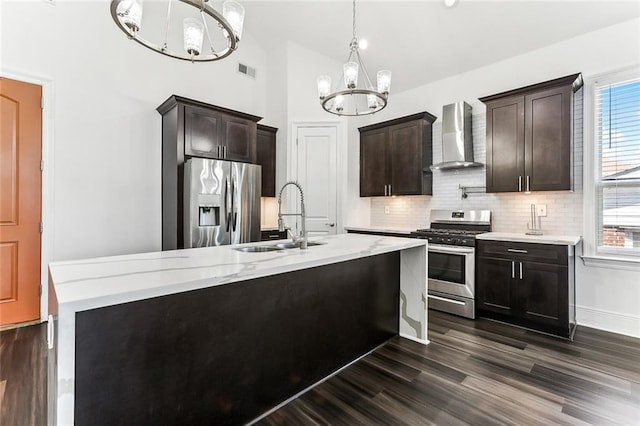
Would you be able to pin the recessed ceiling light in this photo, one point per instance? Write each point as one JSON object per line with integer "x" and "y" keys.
{"x": 450, "y": 3}
{"x": 363, "y": 44}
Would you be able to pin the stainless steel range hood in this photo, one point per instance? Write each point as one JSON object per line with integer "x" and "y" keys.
{"x": 457, "y": 142}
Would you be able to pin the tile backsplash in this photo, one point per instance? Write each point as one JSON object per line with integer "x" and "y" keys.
{"x": 510, "y": 211}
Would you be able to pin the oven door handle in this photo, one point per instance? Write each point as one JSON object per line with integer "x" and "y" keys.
{"x": 450, "y": 249}
{"x": 457, "y": 302}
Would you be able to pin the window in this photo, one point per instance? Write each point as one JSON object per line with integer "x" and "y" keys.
{"x": 616, "y": 115}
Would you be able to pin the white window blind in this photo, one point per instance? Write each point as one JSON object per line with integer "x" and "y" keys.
{"x": 617, "y": 143}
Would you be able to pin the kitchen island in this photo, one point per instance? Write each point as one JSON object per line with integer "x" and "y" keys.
{"x": 218, "y": 336}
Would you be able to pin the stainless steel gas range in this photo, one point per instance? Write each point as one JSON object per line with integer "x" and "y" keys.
{"x": 451, "y": 254}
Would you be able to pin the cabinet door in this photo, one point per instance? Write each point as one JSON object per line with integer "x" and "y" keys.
{"x": 544, "y": 294}
{"x": 373, "y": 165}
{"x": 405, "y": 158}
{"x": 201, "y": 132}
{"x": 239, "y": 136}
{"x": 505, "y": 145}
{"x": 266, "y": 157}
{"x": 548, "y": 140}
{"x": 494, "y": 287}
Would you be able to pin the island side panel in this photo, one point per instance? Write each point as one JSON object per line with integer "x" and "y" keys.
{"x": 226, "y": 354}
{"x": 413, "y": 294}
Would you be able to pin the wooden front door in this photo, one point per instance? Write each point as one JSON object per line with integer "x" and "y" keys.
{"x": 20, "y": 194}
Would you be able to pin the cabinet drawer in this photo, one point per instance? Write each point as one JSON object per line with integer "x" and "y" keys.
{"x": 272, "y": 235}
{"x": 543, "y": 253}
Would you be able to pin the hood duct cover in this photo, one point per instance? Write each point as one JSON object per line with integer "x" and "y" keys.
{"x": 457, "y": 142}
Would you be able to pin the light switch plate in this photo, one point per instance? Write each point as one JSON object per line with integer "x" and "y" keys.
{"x": 387, "y": 209}
{"x": 541, "y": 210}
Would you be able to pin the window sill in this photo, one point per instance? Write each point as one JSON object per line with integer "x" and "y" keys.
{"x": 612, "y": 262}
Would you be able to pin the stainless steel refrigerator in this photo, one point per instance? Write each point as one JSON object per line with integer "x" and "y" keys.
{"x": 221, "y": 202}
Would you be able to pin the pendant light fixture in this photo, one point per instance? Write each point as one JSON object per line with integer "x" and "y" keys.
{"x": 354, "y": 99}
{"x": 206, "y": 34}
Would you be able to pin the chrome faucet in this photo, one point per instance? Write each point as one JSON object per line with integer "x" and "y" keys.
{"x": 302, "y": 238}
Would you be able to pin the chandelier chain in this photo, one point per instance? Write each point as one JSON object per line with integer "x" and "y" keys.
{"x": 354, "y": 20}
{"x": 167, "y": 25}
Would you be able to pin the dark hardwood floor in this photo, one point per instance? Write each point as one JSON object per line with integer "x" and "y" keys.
{"x": 480, "y": 373}
{"x": 473, "y": 372}
{"x": 23, "y": 376}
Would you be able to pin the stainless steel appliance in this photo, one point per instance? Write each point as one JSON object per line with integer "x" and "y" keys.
{"x": 221, "y": 202}
{"x": 457, "y": 139}
{"x": 451, "y": 258}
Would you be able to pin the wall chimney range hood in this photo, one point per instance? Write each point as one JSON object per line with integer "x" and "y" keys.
{"x": 457, "y": 142}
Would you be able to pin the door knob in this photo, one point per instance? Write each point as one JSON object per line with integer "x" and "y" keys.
{"x": 330, "y": 224}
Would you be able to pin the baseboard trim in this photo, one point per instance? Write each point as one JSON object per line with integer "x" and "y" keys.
{"x": 415, "y": 339}
{"x": 614, "y": 322}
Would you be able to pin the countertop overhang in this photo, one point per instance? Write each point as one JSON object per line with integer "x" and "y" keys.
{"x": 563, "y": 240}
{"x": 92, "y": 283}
{"x": 382, "y": 229}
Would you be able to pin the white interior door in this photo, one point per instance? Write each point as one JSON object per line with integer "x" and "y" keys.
{"x": 316, "y": 155}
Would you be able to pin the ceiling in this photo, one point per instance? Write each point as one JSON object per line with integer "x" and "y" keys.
{"x": 423, "y": 41}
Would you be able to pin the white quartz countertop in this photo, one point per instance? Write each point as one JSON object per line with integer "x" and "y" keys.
{"x": 91, "y": 283}
{"x": 387, "y": 229}
{"x": 564, "y": 240}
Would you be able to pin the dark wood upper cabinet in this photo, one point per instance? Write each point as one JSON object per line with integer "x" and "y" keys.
{"x": 210, "y": 131}
{"x": 239, "y": 138}
{"x": 195, "y": 129}
{"x": 266, "y": 157}
{"x": 395, "y": 156}
{"x": 201, "y": 132}
{"x": 373, "y": 162}
{"x": 530, "y": 138}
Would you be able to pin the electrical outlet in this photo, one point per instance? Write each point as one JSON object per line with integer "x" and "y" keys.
{"x": 387, "y": 209}
{"x": 541, "y": 210}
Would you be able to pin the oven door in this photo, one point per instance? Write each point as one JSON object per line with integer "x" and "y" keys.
{"x": 451, "y": 270}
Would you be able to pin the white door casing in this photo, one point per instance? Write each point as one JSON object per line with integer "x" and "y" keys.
{"x": 316, "y": 158}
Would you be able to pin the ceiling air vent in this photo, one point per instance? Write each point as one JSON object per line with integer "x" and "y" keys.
{"x": 247, "y": 70}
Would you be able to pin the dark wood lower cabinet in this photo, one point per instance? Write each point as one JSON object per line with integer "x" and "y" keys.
{"x": 533, "y": 294}
{"x": 224, "y": 355}
{"x": 495, "y": 287}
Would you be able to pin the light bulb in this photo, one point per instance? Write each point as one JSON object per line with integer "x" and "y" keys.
{"x": 324, "y": 86}
{"x": 131, "y": 13}
{"x": 350, "y": 70}
{"x": 339, "y": 103}
{"x": 363, "y": 44}
{"x": 372, "y": 101}
{"x": 450, "y": 3}
{"x": 233, "y": 12}
{"x": 384, "y": 81}
{"x": 193, "y": 36}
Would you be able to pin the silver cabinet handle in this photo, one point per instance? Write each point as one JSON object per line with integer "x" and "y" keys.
{"x": 519, "y": 183}
{"x": 528, "y": 183}
{"x": 520, "y": 270}
{"x": 332, "y": 224}
{"x": 513, "y": 269}
{"x": 516, "y": 251}
{"x": 390, "y": 190}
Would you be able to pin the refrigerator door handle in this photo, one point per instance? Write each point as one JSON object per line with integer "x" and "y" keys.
{"x": 227, "y": 204}
{"x": 234, "y": 209}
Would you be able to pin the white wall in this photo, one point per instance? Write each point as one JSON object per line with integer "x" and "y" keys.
{"x": 607, "y": 296}
{"x": 302, "y": 67}
{"x": 107, "y": 135}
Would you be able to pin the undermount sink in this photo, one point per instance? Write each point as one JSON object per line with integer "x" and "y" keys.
{"x": 290, "y": 245}
{"x": 256, "y": 249}
{"x": 279, "y": 246}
